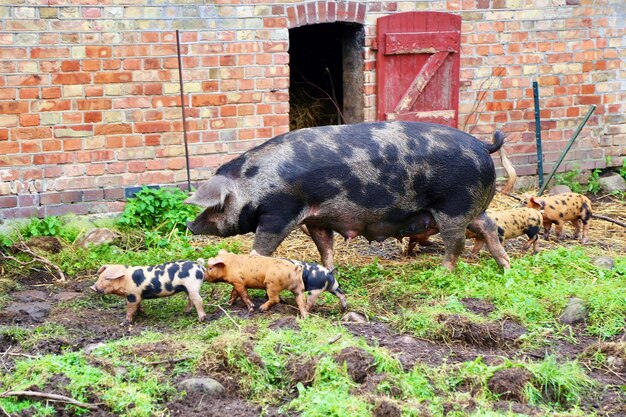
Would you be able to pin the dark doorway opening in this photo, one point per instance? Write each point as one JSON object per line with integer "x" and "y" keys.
{"x": 326, "y": 74}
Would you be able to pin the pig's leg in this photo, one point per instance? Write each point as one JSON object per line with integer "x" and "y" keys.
{"x": 196, "y": 300}
{"x": 132, "y": 309}
{"x": 547, "y": 225}
{"x": 412, "y": 243}
{"x": 452, "y": 231}
{"x": 576, "y": 224}
{"x": 301, "y": 303}
{"x": 242, "y": 291}
{"x": 585, "y": 237}
{"x": 478, "y": 245}
{"x": 273, "y": 295}
{"x": 189, "y": 306}
{"x": 558, "y": 230}
{"x": 323, "y": 239}
{"x": 486, "y": 229}
{"x": 312, "y": 298}
{"x": 233, "y": 296}
{"x": 270, "y": 232}
{"x": 534, "y": 240}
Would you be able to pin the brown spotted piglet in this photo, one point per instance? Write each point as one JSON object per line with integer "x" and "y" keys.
{"x": 259, "y": 272}
{"x": 511, "y": 224}
{"x": 560, "y": 208}
{"x": 136, "y": 283}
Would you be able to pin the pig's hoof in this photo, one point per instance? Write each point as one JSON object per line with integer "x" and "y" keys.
{"x": 202, "y": 318}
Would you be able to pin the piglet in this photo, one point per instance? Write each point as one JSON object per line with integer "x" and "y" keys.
{"x": 260, "y": 272}
{"x": 318, "y": 279}
{"x": 136, "y": 283}
{"x": 567, "y": 207}
{"x": 513, "y": 223}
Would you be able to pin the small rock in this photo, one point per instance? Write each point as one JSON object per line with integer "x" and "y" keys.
{"x": 559, "y": 189}
{"x": 612, "y": 183}
{"x": 66, "y": 296}
{"x": 205, "y": 385}
{"x": 354, "y": 317}
{"x": 604, "y": 262}
{"x": 29, "y": 296}
{"x": 575, "y": 312}
{"x": 98, "y": 236}
{"x": 91, "y": 347}
{"x": 36, "y": 310}
{"x": 120, "y": 371}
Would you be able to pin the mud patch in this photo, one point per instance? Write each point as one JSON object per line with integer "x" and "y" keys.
{"x": 478, "y": 306}
{"x": 197, "y": 404}
{"x": 285, "y": 323}
{"x": 494, "y": 334}
{"x": 509, "y": 383}
{"x": 301, "y": 371}
{"x": 386, "y": 409}
{"x": 359, "y": 363}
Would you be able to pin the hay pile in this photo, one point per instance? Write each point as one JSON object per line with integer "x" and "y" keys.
{"x": 607, "y": 236}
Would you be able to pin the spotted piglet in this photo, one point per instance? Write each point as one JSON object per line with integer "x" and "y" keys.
{"x": 513, "y": 223}
{"x": 567, "y": 207}
{"x": 318, "y": 279}
{"x": 137, "y": 283}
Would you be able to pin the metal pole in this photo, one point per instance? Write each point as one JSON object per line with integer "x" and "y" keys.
{"x": 182, "y": 106}
{"x": 569, "y": 145}
{"x": 538, "y": 134}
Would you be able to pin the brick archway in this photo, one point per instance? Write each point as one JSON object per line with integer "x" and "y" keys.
{"x": 325, "y": 12}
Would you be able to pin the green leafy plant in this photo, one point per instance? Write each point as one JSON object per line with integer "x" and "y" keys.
{"x": 622, "y": 170}
{"x": 158, "y": 208}
{"x": 48, "y": 226}
{"x": 570, "y": 179}
{"x": 593, "y": 185}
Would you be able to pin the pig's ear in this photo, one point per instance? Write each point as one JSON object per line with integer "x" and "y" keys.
{"x": 102, "y": 268}
{"x": 113, "y": 271}
{"x": 212, "y": 193}
{"x": 222, "y": 252}
{"x": 216, "y": 262}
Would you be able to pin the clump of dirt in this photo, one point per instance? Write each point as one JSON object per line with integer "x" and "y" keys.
{"x": 478, "y": 306}
{"x": 161, "y": 350}
{"x": 285, "y": 323}
{"x": 386, "y": 409}
{"x": 200, "y": 405}
{"x": 49, "y": 244}
{"x": 509, "y": 383}
{"x": 495, "y": 334}
{"x": 515, "y": 407}
{"x": 301, "y": 371}
{"x": 359, "y": 363}
{"x": 614, "y": 352}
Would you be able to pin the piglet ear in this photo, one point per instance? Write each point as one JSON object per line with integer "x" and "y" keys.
{"x": 216, "y": 262}
{"x": 222, "y": 252}
{"x": 113, "y": 271}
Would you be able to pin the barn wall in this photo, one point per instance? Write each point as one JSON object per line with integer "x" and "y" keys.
{"x": 89, "y": 88}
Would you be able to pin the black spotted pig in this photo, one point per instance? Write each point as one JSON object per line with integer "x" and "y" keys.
{"x": 136, "y": 283}
{"x": 369, "y": 179}
{"x": 318, "y": 279}
{"x": 560, "y": 208}
{"x": 514, "y": 223}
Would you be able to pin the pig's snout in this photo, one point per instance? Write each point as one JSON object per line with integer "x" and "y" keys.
{"x": 96, "y": 289}
{"x": 191, "y": 227}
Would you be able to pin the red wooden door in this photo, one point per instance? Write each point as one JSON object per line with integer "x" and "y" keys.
{"x": 417, "y": 67}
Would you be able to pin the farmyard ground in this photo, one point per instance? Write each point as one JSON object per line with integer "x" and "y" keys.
{"x": 473, "y": 342}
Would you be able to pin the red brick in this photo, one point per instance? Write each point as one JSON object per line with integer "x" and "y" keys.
{"x": 97, "y": 91}
{"x": 8, "y": 201}
{"x": 53, "y": 158}
{"x": 8, "y": 93}
{"x": 152, "y": 127}
{"x": 92, "y": 117}
{"x": 134, "y": 64}
{"x": 71, "y": 78}
{"x": 94, "y": 104}
{"x": 29, "y": 93}
{"x": 31, "y": 133}
{"x": 93, "y": 195}
{"x": 98, "y": 51}
{"x": 202, "y": 100}
{"x": 13, "y": 107}
{"x": 9, "y": 148}
{"x": 136, "y": 166}
{"x": 112, "y": 64}
{"x": 153, "y": 89}
{"x": 50, "y": 92}
{"x": 4, "y": 134}
{"x": 29, "y": 120}
{"x": 68, "y": 66}
{"x": 51, "y": 145}
{"x": 113, "y": 77}
{"x": 30, "y": 146}
{"x": 24, "y": 80}
{"x": 131, "y": 103}
{"x": 111, "y": 129}
{"x": 38, "y": 53}
{"x": 92, "y": 65}
{"x": 72, "y": 144}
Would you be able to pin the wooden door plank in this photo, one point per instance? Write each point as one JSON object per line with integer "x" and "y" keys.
{"x": 418, "y": 84}
{"x": 421, "y": 42}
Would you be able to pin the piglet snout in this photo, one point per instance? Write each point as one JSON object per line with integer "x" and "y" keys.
{"x": 96, "y": 289}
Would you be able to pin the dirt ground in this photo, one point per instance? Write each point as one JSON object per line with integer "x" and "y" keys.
{"x": 41, "y": 301}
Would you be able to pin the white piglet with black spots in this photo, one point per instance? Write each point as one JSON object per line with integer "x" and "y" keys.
{"x": 318, "y": 279}
{"x": 136, "y": 283}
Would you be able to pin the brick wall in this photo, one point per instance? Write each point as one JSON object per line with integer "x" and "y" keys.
{"x": 89, "y": 96}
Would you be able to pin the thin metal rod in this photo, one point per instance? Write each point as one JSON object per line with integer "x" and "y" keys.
{"x": 569, "y": 145}
{"x": 538, "y": 134}
{"x": 182, "y": 106}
